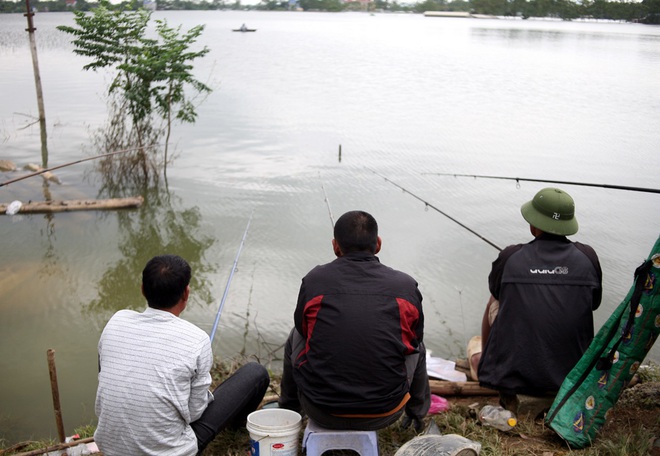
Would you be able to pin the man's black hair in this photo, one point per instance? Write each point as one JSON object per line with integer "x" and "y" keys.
{"x": 356, "y": 231}
{"x": 164, "y": 280}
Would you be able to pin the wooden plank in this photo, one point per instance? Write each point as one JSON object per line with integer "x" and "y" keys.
{"x": 41, "y": 207}
{"x": 60, "y": 446}
{"x": 446, "y": 388}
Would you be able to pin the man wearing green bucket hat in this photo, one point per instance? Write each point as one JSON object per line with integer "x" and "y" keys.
{"x": 539, "y": 319}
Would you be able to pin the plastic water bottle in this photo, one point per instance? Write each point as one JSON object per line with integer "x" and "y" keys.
{"x": 497, "y": 417}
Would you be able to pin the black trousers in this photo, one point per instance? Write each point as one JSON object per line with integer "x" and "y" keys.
{"x": 235, "y": 399}
{"x": 293, "y": 399}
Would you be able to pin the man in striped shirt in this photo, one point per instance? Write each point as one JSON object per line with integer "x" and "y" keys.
{"x": 153, "y": 396}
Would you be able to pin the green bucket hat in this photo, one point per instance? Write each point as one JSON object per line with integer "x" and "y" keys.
{"x": 551, "y": 210}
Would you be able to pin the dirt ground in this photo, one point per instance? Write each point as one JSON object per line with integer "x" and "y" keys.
{"x": 637, "y": 408}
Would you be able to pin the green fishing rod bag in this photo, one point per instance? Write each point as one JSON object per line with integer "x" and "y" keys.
{"x": 593, "y": 386}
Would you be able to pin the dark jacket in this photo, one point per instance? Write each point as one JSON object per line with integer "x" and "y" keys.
{"x": 548, "y": 290}
{"x": 360, "y": 319}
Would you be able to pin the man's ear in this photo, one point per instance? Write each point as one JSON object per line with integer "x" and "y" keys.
{"x": 142, "y": 289}
{"x": 336, "y": 248}
{"x": 379, "y": 243}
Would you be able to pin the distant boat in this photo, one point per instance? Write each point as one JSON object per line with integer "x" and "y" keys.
{"x": 243, "y": 28}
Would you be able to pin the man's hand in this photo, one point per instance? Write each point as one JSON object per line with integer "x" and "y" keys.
{"x": 417, "y": 423}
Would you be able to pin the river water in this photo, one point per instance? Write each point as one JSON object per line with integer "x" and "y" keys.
{"x": 404, "y": 96}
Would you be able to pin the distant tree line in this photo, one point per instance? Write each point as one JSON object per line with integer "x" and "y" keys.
{"x": 648, "y": 10}
{"x": 10, "y": 6}
{"x": 644, "y": 11}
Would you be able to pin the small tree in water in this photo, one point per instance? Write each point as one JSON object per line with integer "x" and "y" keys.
{"x": 148, "y": 90}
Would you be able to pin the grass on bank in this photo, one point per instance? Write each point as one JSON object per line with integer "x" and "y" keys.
{"x": 632, "y": 430}
{"x": 633, "y": 435}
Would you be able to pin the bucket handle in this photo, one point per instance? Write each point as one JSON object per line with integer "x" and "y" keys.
{"x": 264, "y": 437}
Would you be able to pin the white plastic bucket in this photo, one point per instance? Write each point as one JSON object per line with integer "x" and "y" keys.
{"x": 274, "y": 432}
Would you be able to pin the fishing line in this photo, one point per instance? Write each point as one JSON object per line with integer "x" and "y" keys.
{"x": 2, "y": 184}
{"x": 460, "y": 301}
{"x": 327, "y": 203}
{"x": 231, "y": 275}
{"x": 584, "y": 184}
{"x": 438, "y": 210}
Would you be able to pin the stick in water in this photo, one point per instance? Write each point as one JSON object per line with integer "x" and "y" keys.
{"x": 41, "y": 171}
{"x": 56, "y": 394}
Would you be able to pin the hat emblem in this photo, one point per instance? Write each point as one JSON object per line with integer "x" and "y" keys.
{"x": 551, "y": 210}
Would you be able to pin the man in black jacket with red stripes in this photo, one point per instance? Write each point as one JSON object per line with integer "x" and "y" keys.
{"x": 355, "y": 359}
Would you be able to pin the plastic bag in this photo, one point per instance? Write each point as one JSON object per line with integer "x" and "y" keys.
{"x": 14, "y": 207}
{"x": 438, "y": 404}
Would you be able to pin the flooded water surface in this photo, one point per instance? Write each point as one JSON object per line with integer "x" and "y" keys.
{"x": 405, "y": 97}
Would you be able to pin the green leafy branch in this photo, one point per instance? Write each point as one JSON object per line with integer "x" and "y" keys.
{"x": 152, "y": 76}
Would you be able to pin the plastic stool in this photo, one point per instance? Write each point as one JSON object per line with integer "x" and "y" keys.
{"x": 317, "y": 440}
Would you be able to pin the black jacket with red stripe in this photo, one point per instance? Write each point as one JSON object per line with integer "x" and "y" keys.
{"x": 360, "y": 320}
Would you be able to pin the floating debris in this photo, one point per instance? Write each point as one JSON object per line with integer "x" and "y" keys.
{"x": 13, "y": 207}
{"x": 6, "y": 165}
{"x": 38, "y": 207}
{"x": 48, "y": 176}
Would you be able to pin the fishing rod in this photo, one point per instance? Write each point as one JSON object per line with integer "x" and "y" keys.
{"x": 41, "y": 171}
{"x": 231, "y": 275}
{"x": 438, "y": 210}
{"x": 584, "y": 184}
{"x": 327, "y": 203}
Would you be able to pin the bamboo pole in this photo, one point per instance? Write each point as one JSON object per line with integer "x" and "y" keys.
{"x": 37, "y": 83}
{"x": 45, "y": 170}
{"x": 56, "y": 394}
{"x": 76, "y": 205}
{"x": 60, "y": 446}
{"x": 446, "y": 388}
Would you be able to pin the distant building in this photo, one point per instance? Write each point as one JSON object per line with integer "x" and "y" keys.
{"x": 70, "y": 3}
{"x": 447, "y": 14}
{"x": 149, "y": 5}
{"x": 364, "y": 5}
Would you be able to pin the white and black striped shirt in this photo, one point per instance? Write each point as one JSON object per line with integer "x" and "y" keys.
{"x": 153, "y": 382}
